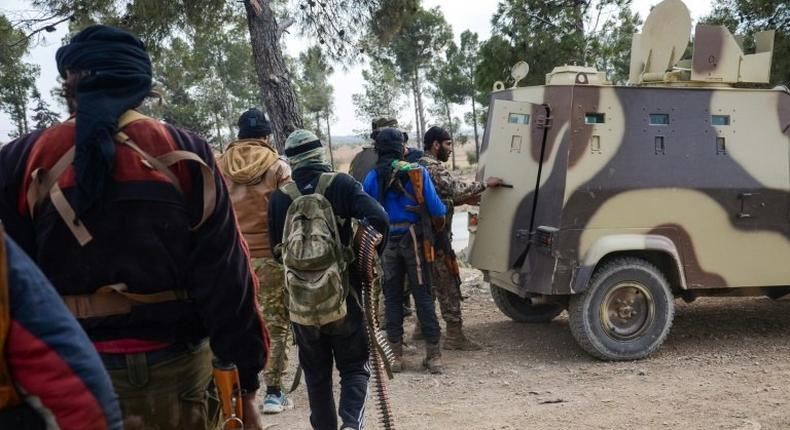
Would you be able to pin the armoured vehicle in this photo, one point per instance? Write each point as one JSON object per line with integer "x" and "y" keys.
{"x": 622, "y": 198}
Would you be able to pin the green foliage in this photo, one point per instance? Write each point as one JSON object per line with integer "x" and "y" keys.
{"x": 156, "y": 22}
{"x": 496, "y": 58}
{"x": 447, "y": 75}
{"x": 315, "y": 93}
{"x": 611, "y": 46}
{"x": 17, "y": 78}
{"x": 471, "y": 157}
{"x": 420, "y": 42}
{"x": 468, "y": 62}
{"x": 312, "y": 84}
{"x": 382, "y": 94}
{"x": 550, "y": 34}
{"x": 748, "y": 17}
{"x": 43, "y": 117}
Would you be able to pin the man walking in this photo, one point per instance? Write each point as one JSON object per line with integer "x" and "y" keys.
{"x": 406, "y": 192}
{"x": 438, "y": 147}
{"x": 333, "y": 329}
{"x": 253, "y": 171}
{"x": 131, "y": 222}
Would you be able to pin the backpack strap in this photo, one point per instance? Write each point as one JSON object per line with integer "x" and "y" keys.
{"x": 291, "y": 190}
{"x": 8, "y": 394}
{"x": 324, "y": 182}
{"x": 162, "y": 165}
{"x": 45, "y": 182}
{"x": 415, "y": 176}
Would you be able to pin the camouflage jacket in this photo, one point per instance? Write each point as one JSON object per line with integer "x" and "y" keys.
{"x": 450, "y": 189}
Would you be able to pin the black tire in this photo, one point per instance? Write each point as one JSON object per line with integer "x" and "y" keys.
{"x": 522, "y": 310}
{"x": 626, "y": 313}
{"x": 777, "y": 293}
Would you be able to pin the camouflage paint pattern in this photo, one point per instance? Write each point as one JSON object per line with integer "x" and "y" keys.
{"x": 713, "y": 198}
{"x": 272, "y": 296}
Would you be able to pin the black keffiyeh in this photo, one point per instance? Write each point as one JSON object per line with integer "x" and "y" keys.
{"x": 389, "y": 146}
{"x": 118, "y": 79}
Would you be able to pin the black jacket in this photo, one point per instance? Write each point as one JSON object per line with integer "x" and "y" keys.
{"x": 142, "y": 237}
{"x": 345, "y": 194}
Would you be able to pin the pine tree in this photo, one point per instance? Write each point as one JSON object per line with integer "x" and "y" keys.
{"x": 43, "y": 117}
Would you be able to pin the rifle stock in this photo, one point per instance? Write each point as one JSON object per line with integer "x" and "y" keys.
{"x": 226, "y": 378}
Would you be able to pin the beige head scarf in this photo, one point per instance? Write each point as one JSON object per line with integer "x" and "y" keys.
{"x": 245, "y": 161}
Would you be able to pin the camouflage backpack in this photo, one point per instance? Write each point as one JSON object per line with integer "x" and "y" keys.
{"x": 315, "y": 259}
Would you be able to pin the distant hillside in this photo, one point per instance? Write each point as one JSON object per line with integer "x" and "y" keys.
{"x": 350, "y": 140}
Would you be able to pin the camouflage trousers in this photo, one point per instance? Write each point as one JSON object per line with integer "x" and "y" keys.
{"x": 170, "y": 394}
{"x": 446, "y": 290}
{"x": 275, "y": 313}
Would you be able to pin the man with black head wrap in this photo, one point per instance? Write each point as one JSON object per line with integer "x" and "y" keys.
{"x": 131, "y": 221}
{"x": 405, "y": 190}
{"x": 438, "y": 146}
{"x": 365, "y": 160}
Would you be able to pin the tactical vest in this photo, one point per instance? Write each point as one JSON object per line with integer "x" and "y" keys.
{"x": 114, "y": 299}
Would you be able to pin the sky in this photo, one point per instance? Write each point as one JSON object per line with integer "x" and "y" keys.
{"x": 461, "y": 15}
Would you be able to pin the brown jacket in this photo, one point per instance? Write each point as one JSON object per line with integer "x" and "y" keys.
{"x": 251, "y": 197}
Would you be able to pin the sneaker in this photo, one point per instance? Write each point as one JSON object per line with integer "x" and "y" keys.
{"x": 274, "y": 404}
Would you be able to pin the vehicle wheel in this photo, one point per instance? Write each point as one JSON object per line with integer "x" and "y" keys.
{"x": 522, "y": 310}
{"x": 777, "y": 293}
{"x": 626, "y": 313}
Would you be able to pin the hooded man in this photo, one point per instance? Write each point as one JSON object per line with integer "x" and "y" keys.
{"x": 406, "y": 192}
{"x": 365, "y": 160}
{"x": 438, "y": 146}
{"x": 344, "y": 341}
{"x": 130, "y": 220}
{"x": 253, "y": 171}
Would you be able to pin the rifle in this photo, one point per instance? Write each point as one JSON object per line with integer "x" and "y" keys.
{"x": 226, "y": 378}
{"x": 426, "y": 223}
{"x": 444, "y": 244}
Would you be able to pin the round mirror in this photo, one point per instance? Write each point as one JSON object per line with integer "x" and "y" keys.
{"x": 519, "y": 71}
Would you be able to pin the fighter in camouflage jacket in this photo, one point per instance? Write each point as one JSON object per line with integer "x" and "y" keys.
{"x": 438, "y": 147}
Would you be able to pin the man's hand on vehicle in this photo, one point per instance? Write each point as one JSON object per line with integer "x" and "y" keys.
{"x": 494, "y": 182}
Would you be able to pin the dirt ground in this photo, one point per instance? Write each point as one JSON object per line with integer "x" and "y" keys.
{"x": 724, "y": 366}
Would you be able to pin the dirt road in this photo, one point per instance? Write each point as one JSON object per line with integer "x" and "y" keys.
{"x": 725, "y": 365}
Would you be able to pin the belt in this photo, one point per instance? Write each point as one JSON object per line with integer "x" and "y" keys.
{"x": 115, "y": 300}
{"x": 119, "y": 361}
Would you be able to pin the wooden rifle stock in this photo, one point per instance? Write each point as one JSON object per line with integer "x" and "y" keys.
{"x": 226, "y": 378}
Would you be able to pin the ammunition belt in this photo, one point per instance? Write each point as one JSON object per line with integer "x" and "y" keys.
{"x": 381, "y": 355}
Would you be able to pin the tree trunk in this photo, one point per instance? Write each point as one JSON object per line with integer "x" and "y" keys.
{"x": 450, "y": 130}
{"x": 217, "y": 123}
{"x": 474, "y": 124}
{"x": 416, "y": 115}
{"x": 274, "y": 80}
{"x": 318, "y": 125}
{"x": 420, "y": 108}
{"x": 329, "y": 141}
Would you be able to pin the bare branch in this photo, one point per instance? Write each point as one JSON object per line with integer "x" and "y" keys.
{"x": 282, "y": 27}
{"x": 48, "y": 28}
